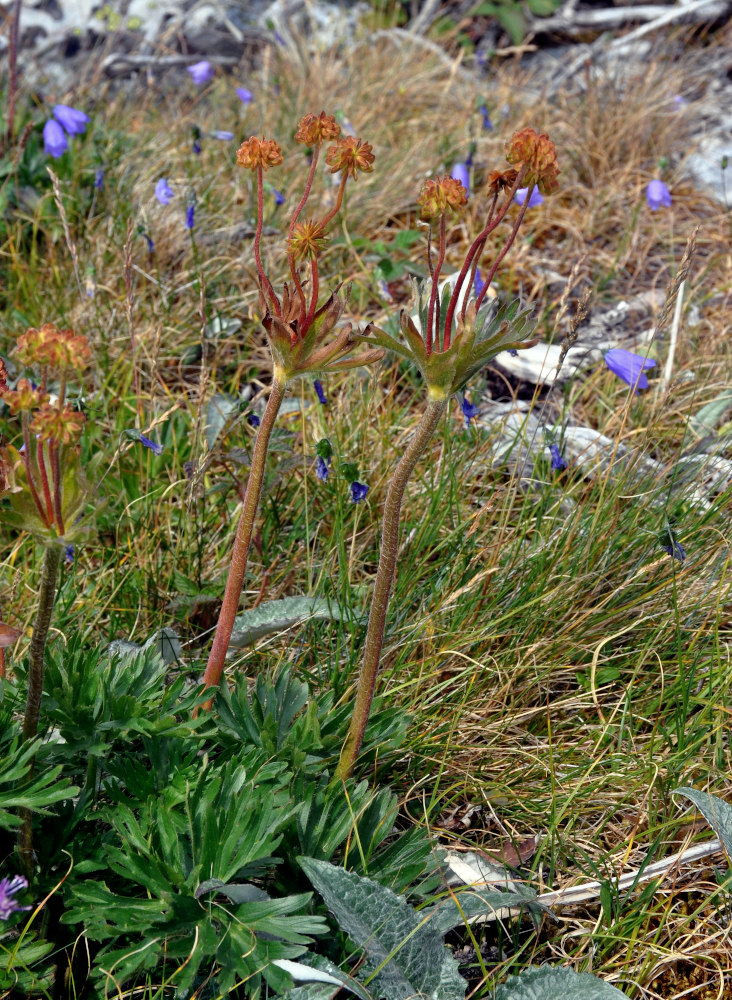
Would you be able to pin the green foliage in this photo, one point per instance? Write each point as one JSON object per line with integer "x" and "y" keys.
{"x": 715, "y": 811}
{"x": 225, "y": 826}
{"x": 275, "y": 616}
{"x": 557, "y": 983}
{"x": 20, "y": 789}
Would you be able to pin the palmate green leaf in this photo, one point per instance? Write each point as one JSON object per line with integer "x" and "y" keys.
{"x": 17, "y": 792}
{"x": 555, "y": 983}
{"x": 276, "y": 616}
{"x": 405, "y": 956}
{"x": 715, "y": 811}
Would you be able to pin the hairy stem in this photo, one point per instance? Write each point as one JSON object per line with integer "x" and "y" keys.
{"x": 46, "y": 597}
{"x": 240, "y": 553}
{"x": 383, "y": 583}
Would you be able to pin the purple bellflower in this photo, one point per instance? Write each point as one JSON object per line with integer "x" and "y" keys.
{"x": 676, "y": 550}
{"x": 190, "y": 216}
{"x": 69, "y": 554}
{"x": 201, "y": 72}
{"x": 72, "y": 120}
{"x": 163, "y": 192}
{"x": 221, "y": 134}
{"x": 469, "y": 410}
{"x": 155, "y": 448}
{"x": 320, "y": 392}
{"x": 279, "y": 198}
{"x": 535, "y": 199}
{"x": 478, "y": 283}
{"x": 253, "y": 420}
{"x": 244, "y": 95}
{"x": 322, "y": 470}
{"x": 487, "y": 124}
{"x": 558, "y": 462}
{"x": 99, "y": 179}
{"x": 358, "y": 491}
{"x": 196, "y": 147}
{"x": 150, "y": 244}
{"x": 8, "y": 888}
{"x": 461, "y": 173}
{"x": 55, "y": 142}
{"x": 629, "y": 367}
{"x": 658, "y": 194}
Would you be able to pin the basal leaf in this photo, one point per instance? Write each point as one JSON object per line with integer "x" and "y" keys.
{"x": 715, "y": 811}
{"x": 405, "y": 956}
{"x": 275, "y": 616}
{"x": 556, "y": 983}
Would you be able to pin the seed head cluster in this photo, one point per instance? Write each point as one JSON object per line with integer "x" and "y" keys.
{"x": 536, "y": 152}
{"x": 440, "y": 194}
{"x": 254, "y": 153}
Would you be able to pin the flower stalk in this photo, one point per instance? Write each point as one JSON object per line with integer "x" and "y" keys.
{"x": 303, "y": 338}
{"x": 448, "y": 346}
{"x": 384, "y": 583}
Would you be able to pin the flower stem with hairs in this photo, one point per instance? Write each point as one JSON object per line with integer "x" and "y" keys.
{"x": 384, "y": 582}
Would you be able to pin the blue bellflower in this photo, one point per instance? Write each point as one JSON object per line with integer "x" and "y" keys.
{"x": 190, "y": 216}
{"x": 322, "y": 470}
{"x": 469, "y": 410}
{"x": 155, "y": 448}
{"x": 534, "y": 200}
{"x": 69, "y": 554}
{"x": 201, "y": 72}
{"x": 150, "y": 244}
{"x": 676, "y": 550}
{"x": 73, "y": 121}
{"x": 657, "y": 194}
{"x": 558, "y": 462}
{"x": 253, "y": 420}
{"x": 461, "y": 173}
{"x": 358, "y": 491}
{"x": 244, "y": 95}
{"x": 278, "y": 196}
{"x": 487, "y": 124}
{"x": 99, "y": 179}
{"x": 55, "y": 142}
{"x": 221, "y": 134}
{"x": 9, "y": 887}
{"x": 478, "y": 283}
{"x": 629, "y": 367}
{"x": 320, "y": 392}
{"x": 163, "y": 192}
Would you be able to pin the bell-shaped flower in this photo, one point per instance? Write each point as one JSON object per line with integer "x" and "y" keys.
{"x": 358, "y": 491}
{"x": 55, "y": 142}
{"x": 163, "y": 192}
{"x": 73, "y": 120}
{"x": 201, "y": 72}
{"x": 657, "y": 195}
{"x": 629, "y": 367}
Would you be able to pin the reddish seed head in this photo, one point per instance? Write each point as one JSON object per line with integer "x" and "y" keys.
{"x": 3, "y": 377}
{"x": 440, "y": 194}
{"x": 350, "y": 155}
{"x": 308, "y": 240}
{"x": 501, "y": 180}
{"x": 537, "y": 153}
{"x": 256, "y": 152}
{"x": 316, "y": 129}
{"x": 54, "y": 347}
{"x": 62, "y": 426}
{"x": 24, "y": 398}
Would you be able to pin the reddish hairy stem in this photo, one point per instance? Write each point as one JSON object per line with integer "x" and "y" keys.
{"x": 339, "y": 201}
{"x": 506, "y": 248}
{"x": 266, "y": 283}
{"x": 383, "y": 584}
{"x": 306, "y": 193}
{"x": 242, "y": 543}
{"x": 476, "y": 259}
{"x": 435, "y": 292}
{"x": 480, "y": 239}
{"x": 29, "y": 474}
{"x": 44, "y": 483}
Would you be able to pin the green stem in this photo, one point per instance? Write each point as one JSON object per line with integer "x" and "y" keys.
{"x": 46, "y": 598}
{"x": 383, "y": 583}
{"x": 240, "y": 553}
